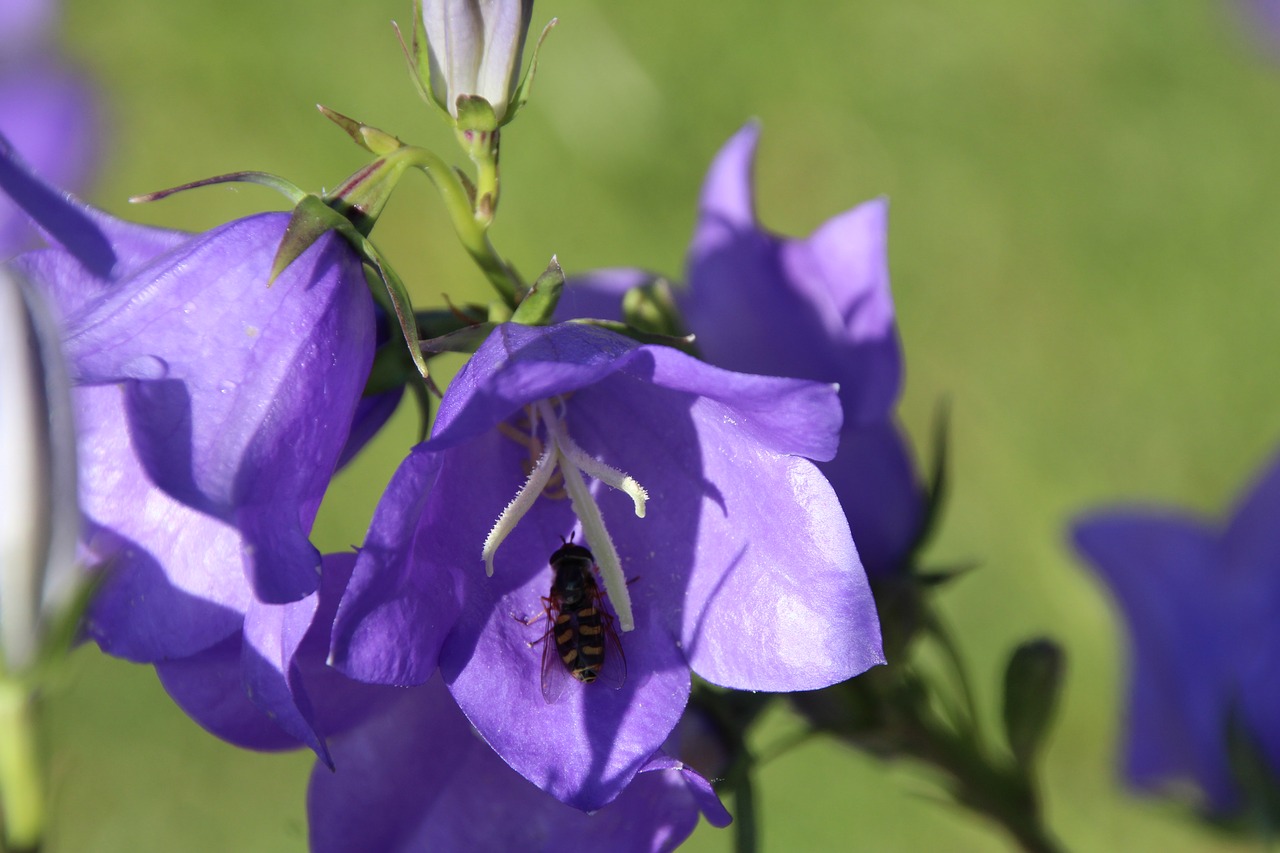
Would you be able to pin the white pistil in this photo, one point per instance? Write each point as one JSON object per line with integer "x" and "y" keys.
{"x": 520, "y": 504}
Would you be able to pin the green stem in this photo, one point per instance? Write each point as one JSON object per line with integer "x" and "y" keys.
{"x": 471, "y": 231}
{"x": 21, "y": 786}
{"x": 1000, "y": 792}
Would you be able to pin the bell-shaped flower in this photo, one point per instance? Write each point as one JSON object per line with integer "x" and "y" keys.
{"x": 818, "y": 308}
{"x": 474, "y": 49}
{"x": 721, "y": 550}
{"x": 1200, "y": 599}
{"x": 211, "y": 410}
{"x": 46, "y": 109}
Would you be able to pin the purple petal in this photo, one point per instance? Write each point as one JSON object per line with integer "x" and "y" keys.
{"x": 394, "y": 615}
{"x": 818, "y": 308}
{"x": 372, "y": 414}
{"x": 1251, "y": 536}
{"x": 1165, "y": 572}
{"x": 279, "y": 661}
{"x": 24, "y": 21}
{"x": 209, "y": 687}
{"x": 419, "y": 779}
{"x": 882, "y": 496}
{"x": 48, "y": 115}
{"x": 272, "y": 635}
{"x": 173, "y": 584}
{"x": 753, "y": 542}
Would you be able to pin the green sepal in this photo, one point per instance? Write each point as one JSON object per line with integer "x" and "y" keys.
{"x": 1032, "y": 688}
{"x": 419, "y": 61}
{"x": 521, "y": 95}
{"x": 1250, "y": 770}
{"x": 652, "y": 308}
{"x": 684, "y": 344}
{"x": 931, "y": 578}
{"x": 366, "y": 136}
{"x": 362, "y": 197}
{"x": 539, "y": 304}
{"x": 499, "y": 312}
{"x": 436, "y": 322}
{"x": 286, "y": 188}
{"x": 938, "y": 481}
{"x": 465, "y": 340}
{"x": 312, "y": 218}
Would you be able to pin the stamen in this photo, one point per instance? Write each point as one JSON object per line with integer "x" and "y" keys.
{"x": 561, "y": 453}
{"x": 603, "y": 472}
{"x": 520, "y": 504}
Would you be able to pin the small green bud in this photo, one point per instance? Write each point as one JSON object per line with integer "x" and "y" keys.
{"x": 1032, "y": 686}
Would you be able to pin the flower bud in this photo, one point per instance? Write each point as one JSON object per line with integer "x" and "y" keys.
{"x": 474, "y": 49}
{"x": 38, "y": 511}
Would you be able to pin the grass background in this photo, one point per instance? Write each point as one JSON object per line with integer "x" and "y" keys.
{"x": 1084, "y": 252}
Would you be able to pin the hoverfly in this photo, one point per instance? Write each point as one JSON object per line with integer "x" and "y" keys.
{"x": 580, "y": 639}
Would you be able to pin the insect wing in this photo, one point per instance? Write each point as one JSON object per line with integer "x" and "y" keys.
{"x": 613, "y": 672}
{"x": 554, "y": 672}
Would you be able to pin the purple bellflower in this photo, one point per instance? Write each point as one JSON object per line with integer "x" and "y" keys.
{"x": 211, "y": 409}
{"x": 46, "y": 110}
{"x": 818, "y": 308}
{"x": 722, "y": 549}
{"x": 1200, "y": 600}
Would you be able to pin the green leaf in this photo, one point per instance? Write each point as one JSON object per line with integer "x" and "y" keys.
{"x": 539, "y": 303}
{"x": 1032, "y": 687}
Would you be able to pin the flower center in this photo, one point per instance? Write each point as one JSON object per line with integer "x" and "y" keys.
{"x": 562, "y": 453}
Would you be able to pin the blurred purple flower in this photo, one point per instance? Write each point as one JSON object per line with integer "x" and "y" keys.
{"x": 1201, "y": 602}
{"x": 818, "y": 308}
{"x": 46, "y": 109}
{"x": 744, "y": 571}
{"x": 211, "y": 412}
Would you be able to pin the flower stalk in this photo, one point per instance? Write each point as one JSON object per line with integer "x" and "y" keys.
{"x": 21, "y": 782}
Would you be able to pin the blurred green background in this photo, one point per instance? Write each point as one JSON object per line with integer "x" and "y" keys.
{"x": 1085, "y": 263}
